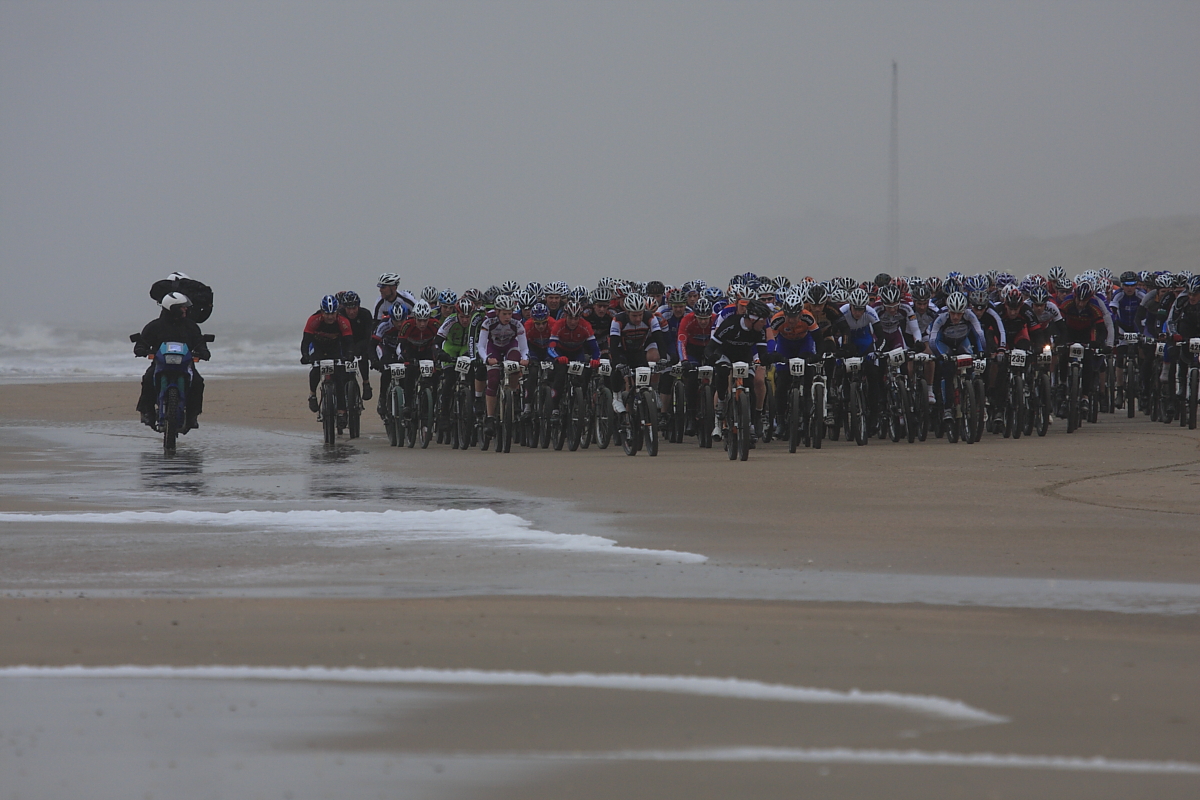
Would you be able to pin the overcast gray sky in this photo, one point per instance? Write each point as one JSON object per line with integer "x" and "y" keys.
{"x": 283, "y": 150}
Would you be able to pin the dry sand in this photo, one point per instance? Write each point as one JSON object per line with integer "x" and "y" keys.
{"x": 1120, "y": 500}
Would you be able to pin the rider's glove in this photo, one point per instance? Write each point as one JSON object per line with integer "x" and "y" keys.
{"x": 1177, "y": 338}
{"x": 595, "y": 362}
{"x": 562, "y": 360}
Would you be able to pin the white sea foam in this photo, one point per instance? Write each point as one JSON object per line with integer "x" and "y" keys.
{"x": 357, "y": 528}
{"x": 734, "y": 688}
{"x": 840, "y": 755}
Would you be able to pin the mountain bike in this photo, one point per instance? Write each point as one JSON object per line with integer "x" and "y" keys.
{"x": 639, "y": 423}
{"x": 603, "y": 417}
{"x": 897, "y": 400}
{"x": 1189, "y": 356}
{"x": 1041, "y": 397}
{"x": 1016, "y": 400}
{"x": 1131, "y": 369}
{"x": 855, "y": 392}
{"x": 1076, "y": 353}
{"x": 918, "y": 413}
{"x": 418, "y": 414}
{"x": 393, "y": 409}
{"x": 738, "y": 429}
{"x": 350, "y": 420}
{"x": 796, "y": 407}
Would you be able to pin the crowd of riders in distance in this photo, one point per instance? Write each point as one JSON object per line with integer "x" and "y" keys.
{"x": 1138, "y": 321}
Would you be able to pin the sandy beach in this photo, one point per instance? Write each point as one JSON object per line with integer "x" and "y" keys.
{"x": 1049, "y": 583}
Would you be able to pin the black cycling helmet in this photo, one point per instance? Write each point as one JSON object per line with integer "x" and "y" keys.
{"x": 882, "y": 279}
{"x": 817, "y": 294}
{"x": 655, "y": 287}
{"x": 1129, "y": 278}
{"x": 757, "y": 309}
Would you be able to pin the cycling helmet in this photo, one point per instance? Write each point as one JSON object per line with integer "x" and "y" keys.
{"x": 1163, "y": 281}
{"x": 1129, "y": 278}
{"x": 490, "y": 294}
{"x": 978, "y": 283}
{"x": 504, "y": 303}
{"x": 889, "y": 295}
{"x": 579, "y": 294}
{"x": 521, "y": 299}
{"x": 655, "y": 287}
{"x": 1187, "y": 274}
{"x": 1057, "y": 274}
{"x": 539, "y": 311}
{"x": 601, "y": 294}
{"x": 572, "y": 308}
{"x": 389, "y": 279}
{"x": 920, "y": 291}
{"x": 992, "y": 276}
{"x": 882, "y": 279}
{"x": 757, "y": 309}
{"x": 421, "y": 311}
{"x": 174, "y": 303}
{"x": 793, "y": 303}
{"x": 534, "y": 288}
{"x": 329, "y": 303}
{"x": 559, "y": 288}
{"x": 956, "y": 302}
{"x": 1084, "y": 291}
{"x": 466, "y": 307}
{"x": 607, "y": 283}
{"x": 634, "y": 302}
{"x": 1180, "y": 280}
{"x": 1039, "y": 296}
{"x": 1194, "y": 284}
{"x": 978, "y": 298}
{"x": 429, "y": 294}
{"x": 1005, "y": 279}
{"x": 767, "y": 290}
{"x": 399, "y": 311}
{"x": 676, "y": 297}
{"x": 1013, "y": 297}
{"x": 350, "y": 298}
{"x": 1106, "y": 274}
{"x": 703, "y": 308}
{"x": 818, "y": 294}
{"x": 509, "y": 287}
{"x": 447, "y": 298}
{"x": 474, "y": 295}
{"x": 840, "y": 296}
{"x": 934, "y": 283}
{"x": 713, "y": 293}
{"x": 858, "y": 299}
{"x": 782, "y": 282}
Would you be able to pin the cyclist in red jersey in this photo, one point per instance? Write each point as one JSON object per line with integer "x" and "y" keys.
{"x": 572, "y": 339}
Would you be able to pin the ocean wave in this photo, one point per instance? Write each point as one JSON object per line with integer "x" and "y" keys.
{"x": 31, "y": 353}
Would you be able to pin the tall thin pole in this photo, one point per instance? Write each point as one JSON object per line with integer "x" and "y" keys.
{"x": 893, "y": 241}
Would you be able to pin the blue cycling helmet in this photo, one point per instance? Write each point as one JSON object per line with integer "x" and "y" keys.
{"x": 713, "y": 293}
{"x": 399, "y": 311}
{"x": 329, "y": 304}
{"x": 539, "y": 311}
{"x": 448, "y": 297}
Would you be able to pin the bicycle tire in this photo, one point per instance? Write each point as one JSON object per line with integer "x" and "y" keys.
{"x": 570, "y": 418}
{"x": 919, "y": 403}
{"x": 329, "y": 415}
{"x": 707, "y": 417}
{"x": 1193, "y": 398}
{"x": 1020, "y": 413}
{"x": 858, "y": 416}
{"x": 795, "y": 418}
{"x": 817, "y": 415}
{"x": 649, "y": 417}
{"x": 603, "y": 420}
{"x": 425, "y": 416}
{"x": 353, "y": 409}
{"x": 746, "y": 428}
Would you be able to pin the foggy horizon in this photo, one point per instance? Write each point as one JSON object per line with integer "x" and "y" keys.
{"x": 282, "y": 151}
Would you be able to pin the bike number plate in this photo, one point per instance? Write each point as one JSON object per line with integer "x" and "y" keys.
{"x": 705, "y": 374}
{"x": 741, "y": 369}
{"x": 1130, "y": 338}
{"x": 642, "y": 376}
{"x": 575, "y": 368}
{"x": 1194, "y": 345}
{"x": 1160, "y": 349}
{"x": 326, "y": 367}
{"x": 511, "y": 366}
{"x": 1017, "y": 358}
{"x": 896, "y": 357}
{"x": 426, "y": 368}
{"x": 397, "y": 370}
{"x": 1076, "y": 351}
{"x": 854, "y": 364}
{"x": 605, "y": 367}
{"x": 462, "y": 365}
{"x": 796, "y": 366}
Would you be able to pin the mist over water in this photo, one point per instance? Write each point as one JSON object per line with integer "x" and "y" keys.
{"x": 280, "y": 152}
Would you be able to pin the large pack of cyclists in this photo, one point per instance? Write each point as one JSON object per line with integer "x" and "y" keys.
{"x": 757, "y": 360}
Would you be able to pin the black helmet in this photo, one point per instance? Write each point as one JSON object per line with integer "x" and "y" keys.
{"x": 655, "y": 287}
{"x": 1129, "y": 278}
{"x": 882, "y": 279}
{"x": 757, "y": 308}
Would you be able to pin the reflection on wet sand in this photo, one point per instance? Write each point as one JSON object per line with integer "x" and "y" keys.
{"x": 181, "y": 471}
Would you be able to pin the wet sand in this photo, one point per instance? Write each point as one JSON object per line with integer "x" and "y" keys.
{"x": 1116, "y": 502}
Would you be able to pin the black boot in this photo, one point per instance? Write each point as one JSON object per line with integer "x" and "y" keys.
{"x": 367, "y": 394}
{"x": 312, "y": 403}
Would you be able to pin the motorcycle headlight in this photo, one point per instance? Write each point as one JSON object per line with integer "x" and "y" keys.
{"x": 173, "y": 358}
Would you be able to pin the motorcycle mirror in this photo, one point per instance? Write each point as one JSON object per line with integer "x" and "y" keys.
{"x": 208, "y": 337}
{"x": 135, "y": 337}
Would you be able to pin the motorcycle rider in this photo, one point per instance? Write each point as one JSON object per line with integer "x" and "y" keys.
{"x": 172, "y": 325}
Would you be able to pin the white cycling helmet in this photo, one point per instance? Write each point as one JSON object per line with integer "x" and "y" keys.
{"x": 956, "y": 302}
{"x": 421, "y": 311}
{"x": 504, "y": 303}
{"x": 389, "y": 279}
{"x": 634, "y": 302}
